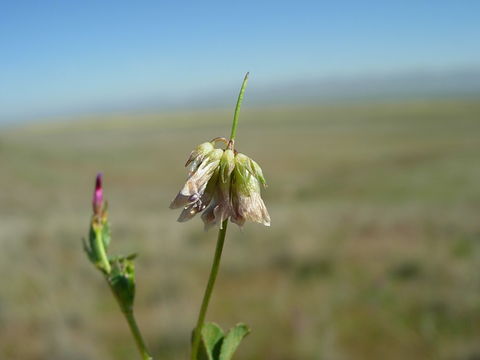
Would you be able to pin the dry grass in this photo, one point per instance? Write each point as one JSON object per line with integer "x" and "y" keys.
{"x": 373, "y": 252}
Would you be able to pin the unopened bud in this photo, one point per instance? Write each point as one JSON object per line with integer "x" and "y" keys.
{"x": 97, "y": 201}
{"x": 99, "y": 234}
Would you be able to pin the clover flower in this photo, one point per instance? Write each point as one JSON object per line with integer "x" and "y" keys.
{"x": 220, "y": 208}
{"x": 223, "y": 185}
{"x": 246, "y": 198}
{"x": 198, "y": 190}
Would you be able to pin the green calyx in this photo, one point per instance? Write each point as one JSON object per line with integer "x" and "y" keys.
{"x": 248, "y": 175}
{"x": 198, "y": 155}
{"x": 122, "y": 281}
{"x": 215, "y": 155}
{"x": 97, "y": 245}
{"x": 257, "y": 172}
{"x": 227, "y": 164}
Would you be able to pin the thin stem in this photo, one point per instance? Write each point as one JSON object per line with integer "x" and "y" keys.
{"x": 137, "y": 336}
{"x": 237, "y": 108}
{"x": 134, "y": 329}
{"x": 208, "y": 291}
{"x": 197, "y": 334}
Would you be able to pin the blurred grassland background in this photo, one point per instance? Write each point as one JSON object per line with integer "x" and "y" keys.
{"x": 373, "y": 252}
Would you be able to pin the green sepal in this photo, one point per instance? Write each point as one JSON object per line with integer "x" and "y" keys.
{"x": 122, "y": 280}
{"x": 90, "y": 247}
{"x": 241, "y": 175}
{"x": 199, "y": 154}
{"x": 97, "y": 244}
{"x": 227, "y": 164}
{"x": 106, "y": 234}
{"x": 257, "y": 172}
{"x": 88, "y": 251}
{"x": 247, "y": 175}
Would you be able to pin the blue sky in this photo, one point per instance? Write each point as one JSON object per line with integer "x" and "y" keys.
{"x": 58, "y": 57}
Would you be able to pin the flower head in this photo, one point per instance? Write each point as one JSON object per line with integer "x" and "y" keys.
{"x": 222, "y": 185}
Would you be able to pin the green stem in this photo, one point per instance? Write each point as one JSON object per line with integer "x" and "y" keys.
{"x": 134, "y": 329}
{"x": 137, "y": 335}
{"x": 208, "y": 291}
{"x": 197, "y": 334}
{"x": 233, "y": 134}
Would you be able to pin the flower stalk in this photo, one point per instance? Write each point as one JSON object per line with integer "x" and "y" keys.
{"x": 197, "y": 334}
{"x": 209, "y": 289}
{"x": 233, "y": 134}
{"x": 119, "y": 271}
{"x": 133, "y": 326}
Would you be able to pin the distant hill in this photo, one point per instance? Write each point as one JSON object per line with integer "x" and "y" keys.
{"x": 368, "y": 87}
{"x": 418, "y": 84}
{"x": 373, "y": 87}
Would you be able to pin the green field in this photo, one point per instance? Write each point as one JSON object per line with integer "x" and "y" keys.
{"x": 373, "y": 252}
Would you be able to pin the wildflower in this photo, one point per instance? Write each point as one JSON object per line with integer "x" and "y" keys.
{"x": 222, "y": 185}
{"x": 99, "y": 234}
{"x": 196, "y": 194}
{"x": 220, "y": 208}
{"x": 119, "y": 271}
{"x": 246, "y": 199}
{"x": 236, "y": 195}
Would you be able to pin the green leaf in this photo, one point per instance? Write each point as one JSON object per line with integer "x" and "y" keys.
{"x": 212, "y": 336}
{"x": 232, "y": 340}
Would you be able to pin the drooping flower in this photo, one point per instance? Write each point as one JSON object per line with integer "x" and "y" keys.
{"x": 247, "y": 202}
{"x": 223, "y": 185}
{"x": 196, "y": 194}
{"x": 220, "y": 208}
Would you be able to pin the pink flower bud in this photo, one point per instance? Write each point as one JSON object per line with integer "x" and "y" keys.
{"x": 97, "y": 201}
